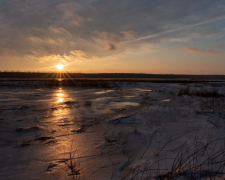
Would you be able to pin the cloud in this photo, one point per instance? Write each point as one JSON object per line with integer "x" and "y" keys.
{"x": 129, "y": 35}
{"x": 111, "y": 47}
{"x": 59, "y": 30}
{"x": 101, "y": 28}
{"x": 199, "y": 51}
{"x": 78, "y": 54}
{"x": 39, "y": 40}
{"x": 66, "y": 59}
{"x": 179, "y": 39}
{"x": 52, "y": 58}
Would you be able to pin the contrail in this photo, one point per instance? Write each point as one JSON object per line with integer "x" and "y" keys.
{"x": 178, "y": 29}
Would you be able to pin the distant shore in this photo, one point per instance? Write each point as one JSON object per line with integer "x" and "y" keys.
{"x": 35, "y": 76}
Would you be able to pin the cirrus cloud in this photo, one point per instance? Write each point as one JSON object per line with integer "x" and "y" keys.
{"x": 199, "y": 51}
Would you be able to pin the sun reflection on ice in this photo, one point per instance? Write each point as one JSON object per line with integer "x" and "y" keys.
{"x": 60, "y": 95}
{"x": 63, "y": 112}
{"x": 60, "y": 100}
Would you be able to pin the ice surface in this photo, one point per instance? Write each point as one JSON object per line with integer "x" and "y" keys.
{"x": 137, "y": 131}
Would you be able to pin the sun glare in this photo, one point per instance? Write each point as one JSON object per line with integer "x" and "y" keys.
{"x": 59, "y": 66}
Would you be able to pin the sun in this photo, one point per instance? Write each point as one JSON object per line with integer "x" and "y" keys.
{"x": 59, "y": 66}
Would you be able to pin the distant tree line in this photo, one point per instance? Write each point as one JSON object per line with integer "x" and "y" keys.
{"x": 28, "y": 75}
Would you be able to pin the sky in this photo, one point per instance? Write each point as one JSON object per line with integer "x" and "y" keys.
{"x": 113, "y": 36}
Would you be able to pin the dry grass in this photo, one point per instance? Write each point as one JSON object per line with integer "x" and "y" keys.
{"x": 187, "y": 90}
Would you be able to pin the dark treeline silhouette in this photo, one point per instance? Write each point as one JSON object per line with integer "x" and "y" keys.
{"x": 34, "y": 75}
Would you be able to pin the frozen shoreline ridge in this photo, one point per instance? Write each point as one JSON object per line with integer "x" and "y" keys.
{"x": 116, "y": 130}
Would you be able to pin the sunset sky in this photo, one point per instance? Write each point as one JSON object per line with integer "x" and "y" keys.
{"x": 113, "y": 36}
